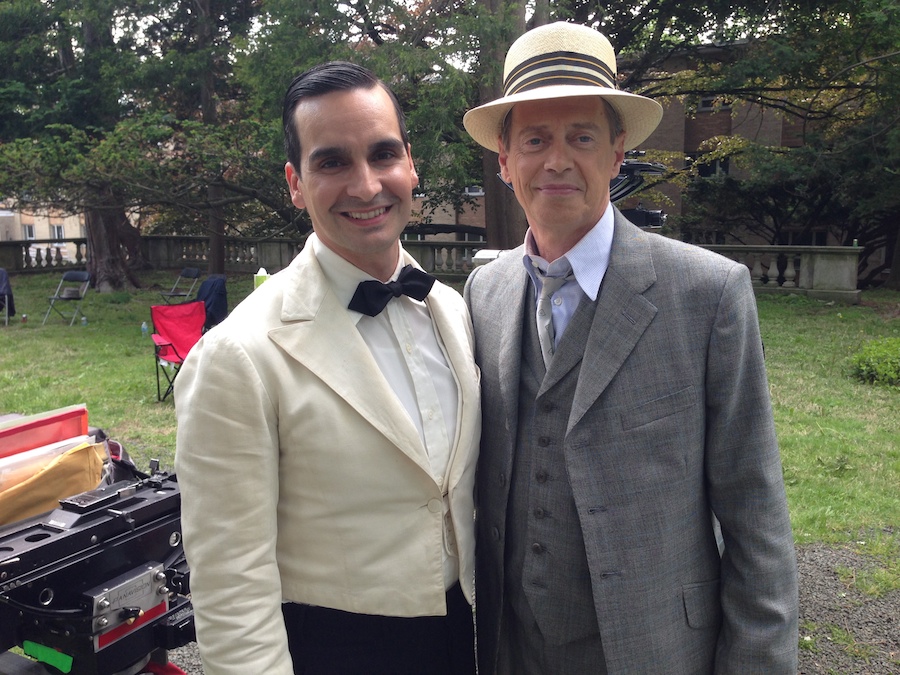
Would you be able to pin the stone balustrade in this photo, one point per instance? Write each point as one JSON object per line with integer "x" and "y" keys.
{"x": 241, "y": 255}
{"x": 40, "y": 255}
{"x": 822, "y": 272}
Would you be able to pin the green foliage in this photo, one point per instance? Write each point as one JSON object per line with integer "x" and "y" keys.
{"x": 112, "y": 73}
{"x": 879, "y": 362}
{"x": 831, "y": 71}
{"x": 769, "y": 192}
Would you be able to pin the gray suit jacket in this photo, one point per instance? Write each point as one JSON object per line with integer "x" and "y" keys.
{"x": 671, "y": 422}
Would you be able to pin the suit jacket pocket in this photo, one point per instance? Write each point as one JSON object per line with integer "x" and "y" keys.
{"x": 702, "y": 605}
{"x": 658, "y": 408}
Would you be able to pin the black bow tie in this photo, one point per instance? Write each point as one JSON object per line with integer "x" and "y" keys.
{"x": 373, "y": 296}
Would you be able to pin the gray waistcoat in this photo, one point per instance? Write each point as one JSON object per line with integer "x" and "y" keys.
{"x": 545, "y": 552}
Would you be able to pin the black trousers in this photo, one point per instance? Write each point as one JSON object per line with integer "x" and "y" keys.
{"x": 325, "y": 641}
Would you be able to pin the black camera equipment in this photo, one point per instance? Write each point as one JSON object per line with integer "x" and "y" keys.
{"x": 100, "y": 584}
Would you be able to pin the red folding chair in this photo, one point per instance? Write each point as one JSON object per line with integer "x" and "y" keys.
{"x": 176, "y": 329}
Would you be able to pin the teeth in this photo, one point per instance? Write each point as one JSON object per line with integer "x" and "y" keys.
{"x": 366, "y": 215}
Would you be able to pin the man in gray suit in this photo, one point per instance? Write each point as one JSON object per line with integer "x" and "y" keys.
{"x": 626, "y": 409}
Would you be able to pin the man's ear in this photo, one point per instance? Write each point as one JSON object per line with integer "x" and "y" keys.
{"x": 619, "y": 150}
{"x": 502, "y": 158}
{"x": 413, "y": 174}
{"x": 294, "y": 185}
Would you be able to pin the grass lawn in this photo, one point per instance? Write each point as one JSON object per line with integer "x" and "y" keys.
{"x": 107, "y": 364}
{"x": 840, "y": 438}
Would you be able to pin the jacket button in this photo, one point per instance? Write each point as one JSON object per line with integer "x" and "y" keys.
{"x": 496, "y": 532}
{"x": 537, "y": 548}
{"x": 435, "y": 506}
{"x": 539, "y": 512}
{"x": 544, "y": 441}
{"x": 541, "y": 476}
{"x": 501, "y": 480}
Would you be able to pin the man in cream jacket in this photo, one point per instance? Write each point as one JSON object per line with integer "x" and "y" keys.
{"x": 326, "y": 448}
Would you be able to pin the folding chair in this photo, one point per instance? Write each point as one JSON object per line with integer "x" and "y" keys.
{"x": 72, "y": 288}
{"x": 188, "y": 275}
{"x": 7, "y": 304}
{"x": 176, "y": 329}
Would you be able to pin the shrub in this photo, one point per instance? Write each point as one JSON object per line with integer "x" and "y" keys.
{"x": 879, "y": 361}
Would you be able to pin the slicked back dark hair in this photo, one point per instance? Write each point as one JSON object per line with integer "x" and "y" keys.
{"x": 325, "y": 79}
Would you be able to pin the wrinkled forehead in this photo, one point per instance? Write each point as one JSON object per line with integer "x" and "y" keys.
{"x": 583, "y": 111}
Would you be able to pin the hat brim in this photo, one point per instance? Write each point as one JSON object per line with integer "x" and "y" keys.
{"x": 640, "y": 115}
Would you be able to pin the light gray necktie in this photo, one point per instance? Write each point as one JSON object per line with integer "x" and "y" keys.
{"x": 544, "y": 316}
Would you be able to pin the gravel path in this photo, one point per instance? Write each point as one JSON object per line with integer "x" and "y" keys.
{"x": 842, "y": 631}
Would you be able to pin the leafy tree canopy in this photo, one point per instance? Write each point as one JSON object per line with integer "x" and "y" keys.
{"x": 171, "y": 110}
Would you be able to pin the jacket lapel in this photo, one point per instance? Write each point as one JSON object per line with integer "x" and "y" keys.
{"x": 622, "y": 316}
{"x": 510, "y": 318}
{"x": 455, "y": 333}
{"x": 318, "y": 333}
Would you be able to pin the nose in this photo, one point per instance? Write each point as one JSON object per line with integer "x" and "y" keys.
{"x": 365, "y": 183}
{"x": 558, "y": 157}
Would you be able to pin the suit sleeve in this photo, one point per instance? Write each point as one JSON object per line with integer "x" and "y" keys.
{"x": 227, "y": 466}
{"x": 758, "y": 571}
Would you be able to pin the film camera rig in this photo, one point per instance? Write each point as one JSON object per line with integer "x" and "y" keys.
{"x": 99, "y": 585}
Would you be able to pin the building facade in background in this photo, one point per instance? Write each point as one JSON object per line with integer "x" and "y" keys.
{"x": 50, "y": 232}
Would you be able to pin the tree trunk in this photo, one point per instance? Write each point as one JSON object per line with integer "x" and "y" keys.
{"x": 214, "y": 194}
{"x": 210, "y": 115}
{"x": 504, "y": 219}
{"x": 541, "y": 15}
{"x": 893, "y": 280}
{"x": 106, "y": 260}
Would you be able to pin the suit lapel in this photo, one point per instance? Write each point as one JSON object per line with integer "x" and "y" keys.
{"x": 622, "y": 316}
{"x": 454, "y": 332}
{"x": 319, "y": 333}
{"x": 510, "y": 317}
{"x": 566, "y": 357}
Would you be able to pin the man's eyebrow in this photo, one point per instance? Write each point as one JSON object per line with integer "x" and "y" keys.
{"x": 393, "y": 144}
{"x": 319, "y": 154}
{"x": 579, "y": 126}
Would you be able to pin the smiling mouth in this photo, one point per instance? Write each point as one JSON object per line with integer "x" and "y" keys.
{"x": 366, "y": 215}
{"x": 558, "y": 188}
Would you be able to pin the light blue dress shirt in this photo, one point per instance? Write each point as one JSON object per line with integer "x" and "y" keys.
{"x": 588, "y": 260}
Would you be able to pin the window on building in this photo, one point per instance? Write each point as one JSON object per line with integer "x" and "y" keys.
{"x": 470, "y": 237}
{"x": 28, "y": 232}
{"x": 717, "y": 167}
{"x": 57, "y": 232}
{"x": 713, "y": 104}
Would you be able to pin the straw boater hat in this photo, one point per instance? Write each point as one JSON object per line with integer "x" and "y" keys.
{"x": 557, "y": 61}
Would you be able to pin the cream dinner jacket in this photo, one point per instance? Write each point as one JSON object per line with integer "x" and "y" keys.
{"x": 303, "y": 477}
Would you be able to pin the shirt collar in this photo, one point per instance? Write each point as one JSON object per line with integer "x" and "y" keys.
{"x": 342, "y": 275}
{"x": 588, "y": 259}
